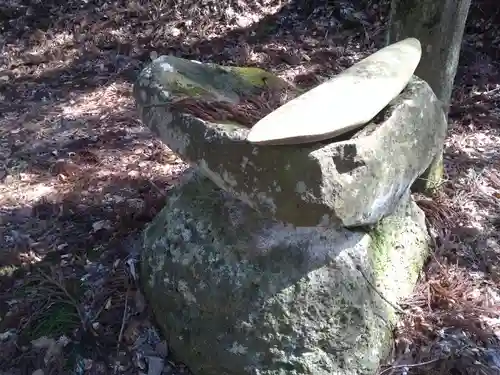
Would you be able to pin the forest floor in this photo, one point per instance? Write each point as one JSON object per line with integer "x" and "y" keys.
{"x": 80, "y": 177}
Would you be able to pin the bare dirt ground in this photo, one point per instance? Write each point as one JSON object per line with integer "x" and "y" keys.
{"x": 80, "y": 176}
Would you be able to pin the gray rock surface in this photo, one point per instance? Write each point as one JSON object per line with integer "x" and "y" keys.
{"x": 349, "y": 182}
{"x": 236, "y": 293}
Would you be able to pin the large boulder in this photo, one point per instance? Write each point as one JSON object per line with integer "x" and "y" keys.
{"x": 351, "y": 181}
{"x": 237, "y": 293}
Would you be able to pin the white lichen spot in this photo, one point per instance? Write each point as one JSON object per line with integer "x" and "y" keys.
{"x": 166, "y": 280}
{"x": 165, "y": 94}
{"x": 166, "y": 67}
{"x": 151, "y": 280}
{"x": 347, "y": 178}
{"x": 244, "y": 162}
{"x": 158, "y": 261}
{"x": 411, "y": 103}
{"x": 236, "y": 217}
{"x": 324, "y": 221}
{"x": 277, "y": 186}
{"x": 183, "y": 287}
{"x": 175, "y": 255}
{"x": 288, "y": 167}
{"x": 267, "y": 201}
{"x": 201, "y": 230}
{"x": 300, "y": 187}
{"x": 186, "y": 235}
{"x": 212, "y": 258}
{"x": 237, "y": 348}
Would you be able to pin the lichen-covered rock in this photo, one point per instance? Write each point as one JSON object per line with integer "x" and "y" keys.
{"x": 237, "y": 293}
{"x": 349, "y": 182}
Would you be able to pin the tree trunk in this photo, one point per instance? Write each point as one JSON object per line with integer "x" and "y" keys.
{"x": 439, "y": 25}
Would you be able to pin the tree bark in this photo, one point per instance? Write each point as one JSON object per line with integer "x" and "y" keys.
{"x": 439, "y": 25}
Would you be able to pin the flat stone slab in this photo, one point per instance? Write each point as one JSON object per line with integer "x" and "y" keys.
{"x": 343, "y": 103}
{"x": 236, "y": 293}
{"x": 350, "y": 182}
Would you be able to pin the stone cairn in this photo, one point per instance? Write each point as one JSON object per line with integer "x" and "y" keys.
{"x": 286, "y": 251}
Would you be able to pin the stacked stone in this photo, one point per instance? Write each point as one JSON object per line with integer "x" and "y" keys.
{"x": 272, "y": 257}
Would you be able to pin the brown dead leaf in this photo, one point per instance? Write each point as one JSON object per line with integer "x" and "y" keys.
{"x": 87, "y": 156}
{"x": 65, "y": 168}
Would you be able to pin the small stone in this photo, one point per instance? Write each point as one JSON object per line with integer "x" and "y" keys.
{"x": 101, "y": 224}
{"x": 35, "y": 58}
{"x": 4, "y": 336}
{"x": 38, "y": 372}
{"x": 62, "y": 246}
{"x": 175, "y": 32}
{"x": 65, "y": 168}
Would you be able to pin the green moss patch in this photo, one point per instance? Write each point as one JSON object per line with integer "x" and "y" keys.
{"x": 238, "y": 96}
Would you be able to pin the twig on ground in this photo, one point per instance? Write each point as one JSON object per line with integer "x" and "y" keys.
{"x": 434, "y": 245}
{"x": 124, "y": 321}
{"x": 392, "y": 368}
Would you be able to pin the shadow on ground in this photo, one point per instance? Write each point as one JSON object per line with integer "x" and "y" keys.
{"x": 67, "y": 270}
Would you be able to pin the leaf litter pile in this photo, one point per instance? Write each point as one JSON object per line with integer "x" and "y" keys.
{"x": 248, "y": 111}
{"x": 80, "y": 177}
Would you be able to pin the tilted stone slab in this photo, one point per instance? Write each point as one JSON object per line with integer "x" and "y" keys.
{"x": 345, "y": 102}
{"x": 348, "y": 182}
{"x": 236, "y": 293}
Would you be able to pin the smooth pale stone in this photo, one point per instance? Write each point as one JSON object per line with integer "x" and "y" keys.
{"x": 346, "y": 102}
